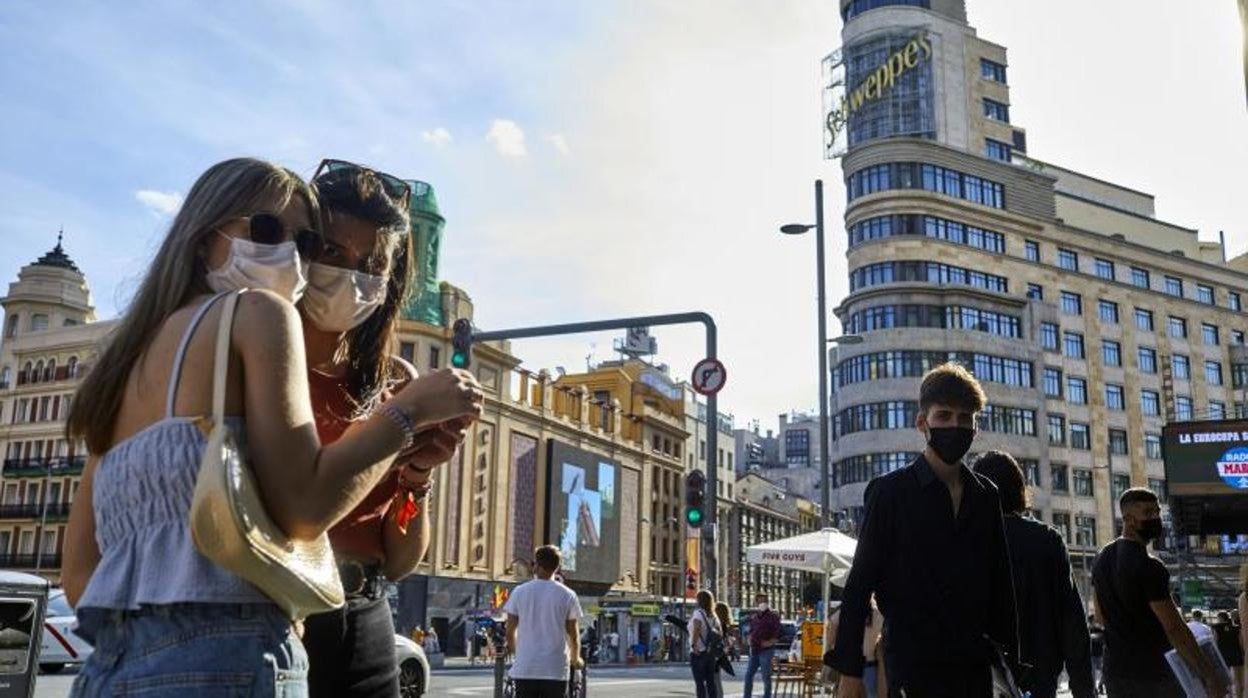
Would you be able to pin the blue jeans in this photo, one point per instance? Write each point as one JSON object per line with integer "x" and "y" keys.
{"x": 760, "y": 659}
{"x": 183, "y": 650}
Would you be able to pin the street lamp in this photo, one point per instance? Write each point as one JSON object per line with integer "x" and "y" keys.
{"x": 799, "y": 229}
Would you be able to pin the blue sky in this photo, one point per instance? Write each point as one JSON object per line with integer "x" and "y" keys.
{"x": 593, "y": 159}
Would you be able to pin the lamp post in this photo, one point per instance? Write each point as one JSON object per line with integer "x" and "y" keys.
{"x": 798, "y": 229}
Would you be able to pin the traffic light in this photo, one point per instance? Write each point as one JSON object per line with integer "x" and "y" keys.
{"x": 461, "y": 343}
{"x": 695, "y": 498}
{"x": 691, "y": 579}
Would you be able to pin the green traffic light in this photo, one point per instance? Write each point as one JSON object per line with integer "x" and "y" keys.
{"x": 694, "y": 517}
{"x": 459, "y": 360}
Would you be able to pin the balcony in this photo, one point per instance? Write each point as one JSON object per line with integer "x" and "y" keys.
{"x": 44, "y": 467}
{"x": 56, "y": 511}
{"x": 30, "y": 561}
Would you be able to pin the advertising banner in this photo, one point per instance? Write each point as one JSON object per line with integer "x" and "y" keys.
{"x": 1206, "y": 458}
{"x": 584, "y": 512}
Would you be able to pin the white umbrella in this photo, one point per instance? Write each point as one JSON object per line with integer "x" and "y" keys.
{"x": 828, "y": 552}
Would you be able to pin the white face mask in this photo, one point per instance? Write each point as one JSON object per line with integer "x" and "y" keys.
{"x": 340, "y": 299}
{"x": 764, "y": 606}
{"x": 276, "y": 268}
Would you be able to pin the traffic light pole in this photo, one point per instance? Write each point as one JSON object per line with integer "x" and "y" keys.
{"x": 712, "y": 402}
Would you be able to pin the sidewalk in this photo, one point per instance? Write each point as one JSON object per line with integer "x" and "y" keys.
{"x": 463, "y": 664}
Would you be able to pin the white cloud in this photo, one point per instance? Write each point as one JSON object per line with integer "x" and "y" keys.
{"x": 162, "y": 203}
{"x": 508, "y": 138}
{"x": 438, "y": 137}
{"x": 559, "y": 142}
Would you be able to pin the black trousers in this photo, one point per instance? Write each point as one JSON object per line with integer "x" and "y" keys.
{"x": 541, "y": 688}
{"x": 703, "y": 667}
{"x": 944, "y": 682}
{"x": 1133, "y": 687}
{"x": 351, "y": 652}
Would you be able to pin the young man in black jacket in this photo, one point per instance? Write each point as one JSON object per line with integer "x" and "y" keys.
{"x": 932, "y": 549}
{"x": 1052, "y": 628}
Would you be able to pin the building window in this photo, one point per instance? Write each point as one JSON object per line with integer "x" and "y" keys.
{"x": 1105, "y": 269}
{"x": 38, "y": 321}
{"x": 1150, "y": 403}
{"x": 1080, "y": 437}
{"x": 435, "y": 358}
{"x": 933, "y": 178}
{"x": 930, "y": 272}
{"x": 1082, "y": 480}
{"x": 1067, "y": 259}
{"x": 1178, "y": 327}
{"x": 1108, "y": 311}
{"x": 407, "y": 351}
{"x": 1118, "y": 442}
{"x": 1072, "y": 303}
{"x": 991, "y": 70}
{"x": 1035, "y": 292}
{"x": 857, "y": 7}
{"x": 1111, "y": 353}
{"x": 1174, "y": 286}
{"x": 796, "y": 448}
{"x": 1239, "y": 375}
{"x": 935, "y": 316}
{"x": 1114, "y": 397}
{"x": 880, "y": 227}
{"x": 1152, "y": 446}
{"x": 1204, "y": 294}
{"x": 1148, "y": 360}
{"x": 996, "y": 111}
{"x": 1008, "y": 420}
{"x": 1237, "y": 337}
{"x": 1213, "y": 372}
{"x": 1121, "y": 483}
{"x": 1052, "y": 382}
{"x": 1217, "y": 409}
{"x": 1183, "y": 408}
{"x": 1209, "y": 333}
{"x": 1032, "y": 250}
{"x": 1073, "y": 345}
{"x": 1085, "y": 531}
{"x": 1058, "y": 478}
{"x": 1057, "y": 430}
{"x": 997, "y": 150}
{"x": 1077, "y": 390}
{"x": 1031, "y": 470}
{"x": 1158, "y": 487}
{"x": 1061, "y": 521}
{"x": 1143, "y": 320}
{"x": 1232, "y": 301}
{"x": 1048, "y": 336}
{"x": 1181, "y": 367}
{"x": 11, "y": 329}
{"x": 898, "y": 414}
{"x": 1140, "y": 278}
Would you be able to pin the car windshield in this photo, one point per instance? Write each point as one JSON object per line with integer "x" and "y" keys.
{"x": 59, "y": 606}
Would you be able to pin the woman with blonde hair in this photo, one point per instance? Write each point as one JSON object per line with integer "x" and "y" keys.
{"x": 701, "y": 660}
{"x": 163, "y": 619}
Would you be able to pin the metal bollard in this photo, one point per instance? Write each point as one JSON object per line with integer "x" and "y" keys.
{"x": 500, "y": 671}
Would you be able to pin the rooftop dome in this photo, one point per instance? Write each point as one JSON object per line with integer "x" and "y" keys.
{"x": 56, "y": 257}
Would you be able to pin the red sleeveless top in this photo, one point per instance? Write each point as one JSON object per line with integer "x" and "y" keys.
{"x": 358, "y": 536}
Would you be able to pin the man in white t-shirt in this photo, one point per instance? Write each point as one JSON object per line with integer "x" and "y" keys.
{"x": 542, "y": 631}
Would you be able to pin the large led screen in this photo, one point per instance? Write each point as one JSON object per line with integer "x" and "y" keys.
{"x": 584, "y": 513}
{"x": 1206, "y": 458}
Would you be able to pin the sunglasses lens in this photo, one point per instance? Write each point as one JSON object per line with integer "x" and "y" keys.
{"x": 310, "y": 244}
{"x": 266, "y": 229}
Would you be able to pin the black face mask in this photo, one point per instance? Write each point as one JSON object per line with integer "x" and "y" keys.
{"x": 1150, "y": 529}
{"x": 950, "y": 443}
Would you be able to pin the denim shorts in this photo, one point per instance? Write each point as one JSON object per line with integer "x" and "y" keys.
{"x": 200, "y": 649}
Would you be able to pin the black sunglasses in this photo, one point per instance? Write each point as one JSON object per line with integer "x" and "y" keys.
{"x": 394, "y": 187}
{"x": 267, "y": 229}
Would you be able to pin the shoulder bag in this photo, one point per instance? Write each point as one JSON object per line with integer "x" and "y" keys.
{"x": 231, "y": 527}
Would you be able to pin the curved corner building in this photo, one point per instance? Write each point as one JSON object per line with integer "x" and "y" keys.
{"x": 1087, "y": 320}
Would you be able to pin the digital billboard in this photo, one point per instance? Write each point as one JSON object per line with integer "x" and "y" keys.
{"x": 1206, "y": 458}
{"x": 584, "y": 512}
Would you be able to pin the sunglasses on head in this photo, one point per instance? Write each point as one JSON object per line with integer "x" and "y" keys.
{"x": 268, "y": 229}
{"x": 394, "y": 187}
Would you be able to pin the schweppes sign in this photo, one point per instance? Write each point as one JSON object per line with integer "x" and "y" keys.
{"x": 840, "y": 107}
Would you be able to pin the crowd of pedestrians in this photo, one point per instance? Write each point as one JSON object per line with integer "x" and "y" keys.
{"x": 978, "y": 599}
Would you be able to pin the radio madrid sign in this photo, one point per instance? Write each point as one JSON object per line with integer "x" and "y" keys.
{"x": 840, "y": 103}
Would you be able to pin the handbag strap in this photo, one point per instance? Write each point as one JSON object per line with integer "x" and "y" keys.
{"x": 221, "y": 360}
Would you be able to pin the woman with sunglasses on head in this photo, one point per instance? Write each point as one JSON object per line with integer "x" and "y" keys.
{"x": 164, "y": 620}
{"x": 357, "y": 289}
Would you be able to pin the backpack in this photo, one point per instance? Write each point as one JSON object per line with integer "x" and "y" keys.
{"x": 714, "y": 641}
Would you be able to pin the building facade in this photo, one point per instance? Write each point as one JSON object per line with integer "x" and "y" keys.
{"x": 1089, "y": 321}
{"x": 765, "y": 512}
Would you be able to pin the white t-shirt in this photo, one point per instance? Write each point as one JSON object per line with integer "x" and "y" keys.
{"x": 543, "y": 608}
{"x": 698, "y": 643}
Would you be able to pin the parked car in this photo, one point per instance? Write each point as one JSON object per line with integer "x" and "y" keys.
{"x": 413, "y": 667}
{"x": 61, "y": 645}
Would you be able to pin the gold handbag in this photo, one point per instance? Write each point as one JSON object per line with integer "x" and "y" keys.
{"x": 229, "y": 523}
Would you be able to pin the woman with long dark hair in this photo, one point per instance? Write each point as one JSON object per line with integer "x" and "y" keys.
{"x": 357, "y": 287}
{"x": 165, "y": 620}
{"x": 701, "y": 660}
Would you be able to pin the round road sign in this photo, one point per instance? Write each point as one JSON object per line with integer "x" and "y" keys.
{"x": 709, "y": 376}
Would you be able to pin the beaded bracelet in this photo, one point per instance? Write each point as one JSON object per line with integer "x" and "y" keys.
{"x": 402, "y": 421}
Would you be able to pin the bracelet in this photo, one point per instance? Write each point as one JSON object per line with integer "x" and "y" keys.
{"x": 402, "y": 421}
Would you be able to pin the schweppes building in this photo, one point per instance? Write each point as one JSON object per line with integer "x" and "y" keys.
{"x": 1090, "y": 322}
